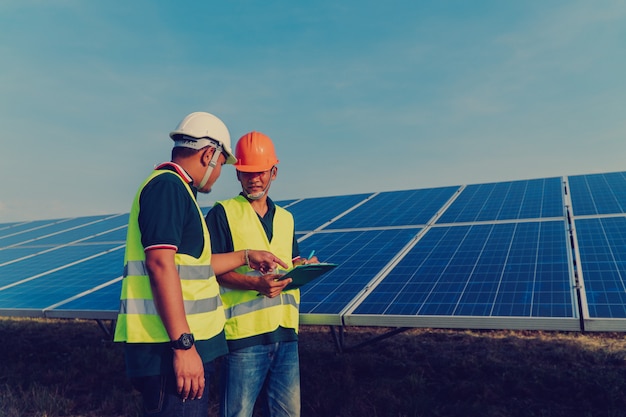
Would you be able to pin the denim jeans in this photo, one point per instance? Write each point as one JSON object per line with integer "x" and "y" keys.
{"x": 270, "y": 372}
{"x": 160, "y": 398}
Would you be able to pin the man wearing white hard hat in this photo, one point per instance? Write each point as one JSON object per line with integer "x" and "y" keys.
{"x": 171, "y": 318}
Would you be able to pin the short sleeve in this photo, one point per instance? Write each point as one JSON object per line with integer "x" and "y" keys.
{"x": 163, "y": 206}
{"x": 219, "y": 230}
{"x": 295, "y": 249}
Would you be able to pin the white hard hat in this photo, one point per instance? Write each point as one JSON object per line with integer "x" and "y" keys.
{"x": 200, "y": 129}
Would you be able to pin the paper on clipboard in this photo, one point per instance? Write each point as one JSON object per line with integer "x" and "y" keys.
{"x": 303, "y": 274}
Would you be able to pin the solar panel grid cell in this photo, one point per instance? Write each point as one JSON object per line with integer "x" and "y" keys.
{"x": 608, "y": 193}
{"x": 397, "y": 208}
{"x": 50, "y": 230}
{"x": 528, "y": 199}
{"x": 82, "y": 230}
{"x": 59, "y": 285}
{"x": 311, "y": 213}
{"x": 285, "y": 203}
{"x": 360, "y": 255}
{"x": 602, "y": 246}
{"x": 598, "y": 193}
{"x": 17, "y": 228}
{"x": 104, "y": 299}
{"x": 117, "y": 235}
{"x": 49, "y": 260}
{"x": 9, "y": 226}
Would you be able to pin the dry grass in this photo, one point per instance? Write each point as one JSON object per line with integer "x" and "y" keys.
{"x": 56, "y": 368}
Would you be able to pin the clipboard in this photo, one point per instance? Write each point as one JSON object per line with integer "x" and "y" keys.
{"x": 303, "y": 274}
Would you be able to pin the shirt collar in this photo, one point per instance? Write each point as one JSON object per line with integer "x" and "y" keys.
{"x": 271, "y": 207}
{"x": 171, "y": 166}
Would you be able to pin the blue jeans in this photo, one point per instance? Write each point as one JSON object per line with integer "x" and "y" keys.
{"x": 270, "y": 372}
{"x": 160, "y": 398}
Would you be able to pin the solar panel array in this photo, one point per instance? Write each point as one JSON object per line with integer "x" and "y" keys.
{"x": 545, "y": 253}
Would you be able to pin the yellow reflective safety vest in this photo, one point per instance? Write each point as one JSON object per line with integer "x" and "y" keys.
{"x": 247, "y": 313}
{"x": 138, "y": 320}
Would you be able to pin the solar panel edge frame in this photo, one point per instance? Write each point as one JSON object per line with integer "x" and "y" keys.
{"x": 579, "y": 300}
{"x": 81, "y": 314}
{"x": 579, "y": 284}
{"x": 22, "y": 312}
{"x": 313, "y": 319}
{"x": 605, "y": 325}
{"x": 465, "y": 322}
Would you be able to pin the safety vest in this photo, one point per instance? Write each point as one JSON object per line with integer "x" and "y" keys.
{"x": 138, "y": 320}
{"x": 247, "y": 313}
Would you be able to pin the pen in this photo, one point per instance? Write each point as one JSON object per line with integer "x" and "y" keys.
{"x": 312, "y": 253}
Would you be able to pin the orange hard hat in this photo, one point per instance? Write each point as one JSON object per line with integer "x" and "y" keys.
{"x": 255, "y": 153}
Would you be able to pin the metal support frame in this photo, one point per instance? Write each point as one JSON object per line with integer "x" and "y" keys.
{"x": 108, "y": 330}
{"x": 337, "y": 333}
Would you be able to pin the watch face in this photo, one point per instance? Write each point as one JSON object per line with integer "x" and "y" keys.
{"x": 186, "y": 340}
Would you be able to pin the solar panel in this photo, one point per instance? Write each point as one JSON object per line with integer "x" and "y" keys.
{"x": 51, "y": 232}
{"x": 491, "y": 271}
{"x": 50, "y": 260}
{"x": 507, "y": 200}
{"x": 310, "y": 214}
{"x": 545, "y": 253}
{"x": 11, "y": 229}
{"x": 39, "y": 289}
{"x": 598, "y": 193}
{"x": 285, "y": 203}
{"x": 101, "y": 302}
{"x": 396, "y": 208}
{"x": 602, "y": 246}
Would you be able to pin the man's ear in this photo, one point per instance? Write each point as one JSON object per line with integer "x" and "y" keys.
{"x": 207, "y": 154}
{"x": 274, "y": 172}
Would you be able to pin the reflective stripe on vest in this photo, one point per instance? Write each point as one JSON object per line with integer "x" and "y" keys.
{"x": 143, "y": 306}
{"x": 259, "y": 303}
{"x": 184, "y": 271}
{"x": 138, "y": 320}
{"x": 247, "y": 313}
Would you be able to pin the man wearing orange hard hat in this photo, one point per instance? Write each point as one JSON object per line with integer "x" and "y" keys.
{"x": 261, "y": 331}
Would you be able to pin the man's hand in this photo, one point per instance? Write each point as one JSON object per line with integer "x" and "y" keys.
{"x": 264, "y": 261}
{"x": 189, "y": 373}
{"x": 270, "y": 286}
{"x": 305, "y": 261}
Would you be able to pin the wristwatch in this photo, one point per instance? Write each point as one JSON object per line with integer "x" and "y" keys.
{"x": 184, "y": 342}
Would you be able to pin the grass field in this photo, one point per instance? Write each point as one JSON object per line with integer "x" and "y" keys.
{"x": 53, "y": 368}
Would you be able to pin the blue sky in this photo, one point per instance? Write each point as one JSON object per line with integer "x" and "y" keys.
{"x": 358, "y": 96}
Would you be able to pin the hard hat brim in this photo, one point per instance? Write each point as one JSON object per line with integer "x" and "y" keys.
{"x": 254, "y": 168}
{"x": 230, "y": 158}
{"x": 199, "y": 143}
